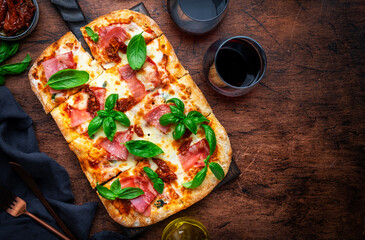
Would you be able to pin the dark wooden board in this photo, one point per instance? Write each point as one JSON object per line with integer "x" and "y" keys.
{"x": 298, "y": 138}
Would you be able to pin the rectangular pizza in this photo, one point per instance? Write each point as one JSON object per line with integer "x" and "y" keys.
{"x": 143, "y": 132}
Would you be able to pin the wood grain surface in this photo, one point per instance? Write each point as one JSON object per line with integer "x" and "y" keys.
{"x": 298, "y": 138}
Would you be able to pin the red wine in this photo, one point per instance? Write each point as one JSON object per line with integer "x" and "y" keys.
{"x": 202, "y": 9}
{"x": 238, "y": 67}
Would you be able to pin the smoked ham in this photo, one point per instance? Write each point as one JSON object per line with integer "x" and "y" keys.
{"x": 116, "y": 148}
{"x": 153, "y": 117}
{"x": 194, "y": 155}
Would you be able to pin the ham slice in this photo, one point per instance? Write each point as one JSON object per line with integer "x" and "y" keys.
{"x": 115, "y": 148}
{"x": 142, "y": 204}
{"x": 194, "y": 155}
{"x": 153, "y": 117}
{"x": 78, "y": 117}
{"x": 57, "y": 63}
{"x": 136, "y": 86}
{"x": 109, "y": 32}
{"x": 153, "y": 76}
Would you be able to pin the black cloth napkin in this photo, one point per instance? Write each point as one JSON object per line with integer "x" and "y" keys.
{"x": 18, "y": 143}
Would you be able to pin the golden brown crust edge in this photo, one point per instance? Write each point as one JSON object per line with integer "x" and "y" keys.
{"x": 224, "y": 150}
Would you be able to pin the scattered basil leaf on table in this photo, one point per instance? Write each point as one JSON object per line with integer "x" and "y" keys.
{"x": 107, "y": 118}
{"x": 15, "y": 68}
{"x": 68, "y": 78}
{"x": 2, "y": 80}
{"x": 142, "y": 148}
{"x": 158, "y": 184}
{"x": 8, "y": 49}
{"x": 93, "y": 35}
{"x": 136, "y": 52}
{"x": 116, "y": 191}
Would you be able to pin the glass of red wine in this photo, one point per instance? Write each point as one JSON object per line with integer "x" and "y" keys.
{"x": 234, "y": 66}
{"x": 197, "y": 16}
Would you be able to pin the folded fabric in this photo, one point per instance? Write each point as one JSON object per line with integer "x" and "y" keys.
{"x": 18, "y": 143}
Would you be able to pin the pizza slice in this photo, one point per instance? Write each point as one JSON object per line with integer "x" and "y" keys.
{"x": 108, "y": 35}
{"x": 66, "y": 53}
{"x": 148, "y": 208}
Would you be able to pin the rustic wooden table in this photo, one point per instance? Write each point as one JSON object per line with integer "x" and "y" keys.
{"x": 298, "y": 138}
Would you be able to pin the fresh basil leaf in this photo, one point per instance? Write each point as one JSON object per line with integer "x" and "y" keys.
{"x": 199, "y": 119}
{"x": 68, "y": 78}
{"x": 93, "y": 35}
{"x": 136, "y": 52}
{"x": 198, "y": 179}
{"x": 14, "y": 46}
{"x": 110, "y": 102}
{"x": 179, "y": 131}
{"x": 217, "y": 170}
{"x": 2, "y": 80}
{"x": 159, "y": 185}
{"x": 191, "y": 125}
{"x": 130, "y": 193}
{"x": 8, "y": 49}
{"x": 103, "y": 113}
{"x": 94, "y": 126}
{"x": 210, "y": 136}
{"x": 115, "y": 187}
{"x": 143, "y": 148}
{"x": 177, "y": 112}
{"x": 110, "y": 128}
{"x": 168, "y": 118}
{"x": 179, "y": 104}
{"x": 120, "y": 117}
{"x": 192, "y": 114}
{"x": 150, "y": 173}
{"x": 105, "y": 192}
{"x": 15, "y": 68}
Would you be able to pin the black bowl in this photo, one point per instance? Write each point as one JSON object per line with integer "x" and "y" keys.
{"x": 25, "y": 33}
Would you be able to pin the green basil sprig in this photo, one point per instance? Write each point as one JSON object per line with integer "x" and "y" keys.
{"x": 189, "y": 121}
{"x": 136, "y": 52}
{"x": 8, "y": 49}
{"x": 216, "y": 169}
{"x": 93, "y": 35}
{"x": 107, "y": 118}
{"x": 68, "y": 78}
{"x": 116, "y": 191}
{"x": 143, "y": 148}
{"x": 158, "y": 184}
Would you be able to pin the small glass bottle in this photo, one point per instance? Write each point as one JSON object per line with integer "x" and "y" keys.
{"x": 185, "y": 229}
